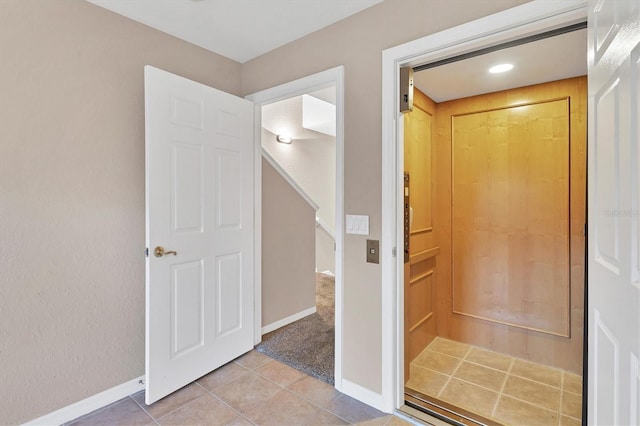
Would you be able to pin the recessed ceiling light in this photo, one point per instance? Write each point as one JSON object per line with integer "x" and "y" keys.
{"x": 500, "y": 68}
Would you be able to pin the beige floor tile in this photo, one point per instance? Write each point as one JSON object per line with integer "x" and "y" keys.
{"x": 389, "y": 420}
{"x": 279, "y": 373}
{"x": 539, "y": 373}
{"x": 514, "y": 412}
{"x": 171, "y": 402}
{"x": 489, "y": 359}
{"x": 252, "y": 359}
{"x": 569, "y": 421}
{"x": 285, "y": 408}
{"x": 247, "y": 391}
{"x": 314, "y": 390}
{"x": 206, "y": 410}
{"x": 530, "y": 390}
{"x": 239, "y": 421}
{"x": 481, "y": 376}
{"x": 250, "y": 391}
{"x": 571, "y": 405}
{"x": 426, "y": 381}
{"x": 437, "y": 361}
{"x": 380, "y": 421}
{"x": 222, "y": 376}
{"x": 533, "y": 392}
{"x": 123, "y": 412}
{"x": 353, "y": 410}
{"x": 470, "y": 397}
{"x": 397, "y": 421}
{"x": 572, "y": 383}
{"x": 449, "y": 347}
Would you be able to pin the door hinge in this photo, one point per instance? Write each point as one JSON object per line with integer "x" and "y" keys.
{"x": 394, "y": 252}
{"x": 146, "y": 251}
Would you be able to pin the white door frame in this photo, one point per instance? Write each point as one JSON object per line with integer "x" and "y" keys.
{"x": 512, "y": 24}
{"x": 321, "y": 80}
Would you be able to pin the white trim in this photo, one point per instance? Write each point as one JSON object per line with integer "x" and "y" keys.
{"x": 257, "y": 223}
{"x": 362, "y": 394}
{"x": 290, "y": 180}
{"x": 323, "y": 225}
{"x": 288, "y": 320}
{"x": 339, "y": 223}
{"x": 529, "y": 18}
{"x": 86, "y": 406}
{"x": 328, "y": 272}
{"x": 324, "y": 79}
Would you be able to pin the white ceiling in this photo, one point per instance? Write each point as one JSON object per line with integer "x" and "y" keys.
{"x": 244, "y": 29}
{"x": 545, "y": 60}
{"x": 238, "y": 29}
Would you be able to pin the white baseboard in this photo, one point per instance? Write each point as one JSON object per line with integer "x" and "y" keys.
{"x": 362, "y": 394}
{"x": 90, "y": 404}
{"x": 288, "y": 320}
{"x": 328, "y": 272}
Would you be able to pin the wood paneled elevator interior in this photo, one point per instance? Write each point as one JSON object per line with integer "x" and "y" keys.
{"x": 497, "y": 186}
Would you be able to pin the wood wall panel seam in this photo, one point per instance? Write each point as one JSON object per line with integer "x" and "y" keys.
{"x": 417, "y": 278}
{"x": 424, "y": 255}
{"x": 422, "y": 321}
{"x": 515, "y": 105}
{"x": 565, "y": 335}
{"x": 421, "y": 231}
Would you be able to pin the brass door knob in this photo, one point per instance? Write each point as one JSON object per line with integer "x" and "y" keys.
{"x": 159, "y": 252}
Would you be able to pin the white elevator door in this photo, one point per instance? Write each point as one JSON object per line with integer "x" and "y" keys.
{"x": 200, "y": 205}
{"x": 614, "y": 195}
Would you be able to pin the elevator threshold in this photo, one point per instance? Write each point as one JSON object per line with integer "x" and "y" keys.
{"x": 444, "y": 411}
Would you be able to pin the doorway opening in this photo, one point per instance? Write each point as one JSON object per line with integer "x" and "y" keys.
{"x": 301, "y": 197}
{"x": 298, "y": 216}
{"x": 441, "y": 257}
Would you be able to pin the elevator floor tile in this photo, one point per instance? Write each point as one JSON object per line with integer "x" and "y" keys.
{"x": 501, "y": 388}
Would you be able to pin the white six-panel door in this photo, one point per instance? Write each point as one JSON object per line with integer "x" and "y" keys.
{"x": 614, "y": 193}
{"x": 200, "y": 205}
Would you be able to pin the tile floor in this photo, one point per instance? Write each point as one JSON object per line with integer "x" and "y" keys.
{"x": 252, "y": 390}
{"x": 502, "y": 388}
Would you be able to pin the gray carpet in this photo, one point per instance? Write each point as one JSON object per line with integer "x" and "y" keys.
{"x": 308, "y": 344}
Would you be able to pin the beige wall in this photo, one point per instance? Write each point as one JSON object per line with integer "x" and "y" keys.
{"x": 72, "y": 196}
{"x": 288, "y": 249}
{"x": 72, "y": 181}
{"x": 357, "y": 43}
{"x": 312, "y": 164}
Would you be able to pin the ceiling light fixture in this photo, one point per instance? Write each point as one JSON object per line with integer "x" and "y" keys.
{"x": 496, "y": 69}
{"x": 284, "y": 138}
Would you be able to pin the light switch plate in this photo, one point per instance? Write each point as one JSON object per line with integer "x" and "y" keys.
{"x": 357, "y": 224}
